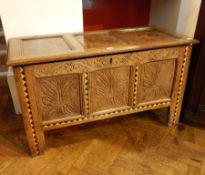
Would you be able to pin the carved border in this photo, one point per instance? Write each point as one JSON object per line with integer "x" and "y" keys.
{"x": 179, "y": 90}
{"x": 30, "y": 115}
{"x": 108, "y": 114}
{"x": 135, "y": 86}
{"x": 86, "y": 95}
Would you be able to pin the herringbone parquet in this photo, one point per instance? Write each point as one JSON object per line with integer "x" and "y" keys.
{"x": 139, "y": 144}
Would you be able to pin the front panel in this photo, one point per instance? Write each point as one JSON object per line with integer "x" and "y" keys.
{"x": 69, "y": 92}
{"x": 156, "y": 80}
{"x": 110, "y": 88}
{"x": 59, "y": 96}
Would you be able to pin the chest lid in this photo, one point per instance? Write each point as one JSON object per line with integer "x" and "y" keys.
{"x": 38, "y": 49}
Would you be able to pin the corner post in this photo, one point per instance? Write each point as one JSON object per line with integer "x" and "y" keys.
{"x": 33, "y": 127}
{"x": 182, "y": 67}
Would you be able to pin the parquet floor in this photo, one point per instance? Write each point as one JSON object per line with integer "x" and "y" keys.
{"x": 139, "y": 144}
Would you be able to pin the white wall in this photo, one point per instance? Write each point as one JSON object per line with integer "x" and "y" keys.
{"x": 179, "y": 16}
{"x": 33, "y": 17}
{"x": 165, "y": 13}
{"x": 189, "y": 12}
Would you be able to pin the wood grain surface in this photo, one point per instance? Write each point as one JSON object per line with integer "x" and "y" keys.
{"x": 137, "y": 144}
{"x": 106, "y": 86}
{"x": 70, "y": 92}
{"x": 36, "y": 49}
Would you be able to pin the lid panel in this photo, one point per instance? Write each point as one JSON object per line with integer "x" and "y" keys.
{"x": 101, "y": 40}
{"x": 143, "y": 37}
{"x": 38, "y": 49}
{"x": 43, "y": 46}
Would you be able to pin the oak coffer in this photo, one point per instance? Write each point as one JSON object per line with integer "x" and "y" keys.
{"x": 68, "y": 79}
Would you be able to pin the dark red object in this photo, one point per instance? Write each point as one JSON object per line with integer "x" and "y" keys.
{"x": 106, "y": 14}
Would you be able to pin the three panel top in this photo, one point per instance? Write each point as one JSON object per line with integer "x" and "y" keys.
{"x": 38, "y": 49}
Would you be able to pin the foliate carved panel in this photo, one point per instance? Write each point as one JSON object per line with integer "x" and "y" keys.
{"x": 110, "y": 88}
{"x": 156, "y": 80}
{"x": 59, "y": 96}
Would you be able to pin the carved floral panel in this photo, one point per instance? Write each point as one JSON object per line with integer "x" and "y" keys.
{"x": 110, "y": 88}
{"x": 59, "y": 96}
{"x": 157, "y": 80}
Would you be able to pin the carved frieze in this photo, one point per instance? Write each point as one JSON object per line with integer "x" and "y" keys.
{"x": 91, "y": 64}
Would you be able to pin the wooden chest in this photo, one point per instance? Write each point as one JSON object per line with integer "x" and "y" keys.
{"x": 69, "y": 79}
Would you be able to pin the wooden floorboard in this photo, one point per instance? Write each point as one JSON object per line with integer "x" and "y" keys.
{"x": 138, "y": 144}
